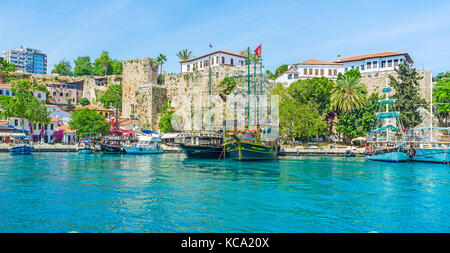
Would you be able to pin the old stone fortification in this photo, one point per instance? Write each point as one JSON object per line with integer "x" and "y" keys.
{"x": 136, "y": 72}
{"x": 94, "y": 87}
{"x": 149, "y": 101}
{"x": 376, "y": 83}
{"x": 186, "y": 91}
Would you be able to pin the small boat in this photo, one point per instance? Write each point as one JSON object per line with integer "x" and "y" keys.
{"x": 21, "y": 145}
{"x": 149, "y": 143}
{"x": 85, "y": 147}
{"x": 206, "y": 145}
{"x": 114, "y": 144}
{"x": 387, "y": 142}
{"x": 249, "y": 146}
{"x": 431, "y": 146}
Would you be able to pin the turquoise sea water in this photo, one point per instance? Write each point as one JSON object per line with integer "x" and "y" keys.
{"x": 64, "y": 192}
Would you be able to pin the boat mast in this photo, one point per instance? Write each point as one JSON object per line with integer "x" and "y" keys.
{"x": 431, "y": 107}
{"x": 209, "y": 63}
{"x": 254, "y": 84}
{"x": 248, "y": 87}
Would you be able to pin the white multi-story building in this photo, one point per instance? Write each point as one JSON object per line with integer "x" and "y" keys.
{"x": 27, "y": 59}
{"x": 217, "y": 58}
{"x": 373, "y": 63}
{"x": 309, "y": 69}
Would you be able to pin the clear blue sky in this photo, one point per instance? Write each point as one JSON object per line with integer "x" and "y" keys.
{"x": 289, "y": 31}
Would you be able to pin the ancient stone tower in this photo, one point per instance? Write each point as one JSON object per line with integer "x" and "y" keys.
{"x": 142, "y": 97}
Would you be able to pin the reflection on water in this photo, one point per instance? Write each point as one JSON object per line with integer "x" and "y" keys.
{"x": 62, "y": 192}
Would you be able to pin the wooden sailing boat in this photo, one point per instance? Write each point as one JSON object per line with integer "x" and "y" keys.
{"x": 387, "y": 142}
{"x": 251, "y": 144}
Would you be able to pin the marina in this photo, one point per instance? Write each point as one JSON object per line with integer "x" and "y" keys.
{"x": 170, "y": 193}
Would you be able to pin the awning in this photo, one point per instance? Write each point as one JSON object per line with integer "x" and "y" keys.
{"x": 169, "y": 135}
{"x": 359, "y": 139}
{"x": 11, "y": 134}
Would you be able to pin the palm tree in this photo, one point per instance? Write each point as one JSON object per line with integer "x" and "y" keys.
{"x": 161, "y": 60}
{"x": 185, "y": 55}
{"x": 348, "y": 94}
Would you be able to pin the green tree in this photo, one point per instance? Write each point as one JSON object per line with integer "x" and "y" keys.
{"x": 102, "y": 65}
{"x": 358, "y": 122}
{"x": 6, "y": 66}
{"x": 24, "y": 104}
{"x": 278, "y": 72}
{"x": 112, "y": 97}
{"x": 228, "y": 83}
{"x": 84, "y": 102}
{"x": 351, "y": 72}
{"x": 117, "y": 67}
{"x": 83, "y": 66}
{"x": 165, "y": 122}
{"x": 407, "y": 98}
{"x": 161, "y": 59}
{"x": 348, "y": 94}
{"x": 316, "y": 89}
{"x": 63, "y": 68}
{"x": 441, "y": 99}
{"x": 88, "y": 121}
{"x": 184, "y": 55}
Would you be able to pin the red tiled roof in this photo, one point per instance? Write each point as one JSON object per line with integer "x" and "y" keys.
{"x": 224, "y": 52}
{"x": 55, "y": 119}
{"x": 375, "y": 55}
{"x": 66, "y": 129}
{"x": 126, "y": 122}
{"x": 318, "y": 62}
{"x": 291, "y": 70}
{"x": 4, "y": 123}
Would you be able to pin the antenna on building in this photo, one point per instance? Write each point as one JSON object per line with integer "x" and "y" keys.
{"x": 338, "y": 57}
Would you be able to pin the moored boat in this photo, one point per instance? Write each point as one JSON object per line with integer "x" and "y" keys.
{"x": 150, "y": 143}
{"x": 85, "y": 146}
{"x": 114, "y": 144}
{"x": 21, "y": 145}
{"x": 206, "y": 145}
{"x": 430, "y": 145}
{"x": 387, "y": 142}
{"x": 247, "y": 145}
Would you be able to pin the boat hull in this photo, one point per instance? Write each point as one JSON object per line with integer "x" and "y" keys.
{"x": 107, "y": 149}
{"x": 244, "y": 151}
{"x": 26, "y": 149}
{"x": 202, "y": 152}
{"x": 142, "y": 151}
{"x": 432, "y": 155}
{"x": 85, "y": 151}
{"x": 389, "y": 156}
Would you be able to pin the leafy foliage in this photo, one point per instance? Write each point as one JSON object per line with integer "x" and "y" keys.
{"x": 112, "y": 97}
{"x": 165, "y": 122}
{"x": 63, "y": 68}
{"x": 278, "y": 72}
{"x": 83, "y": 66}
{"x": 228, "y": 83}
{"x": 102, "y": 65}
{"x": 441, "y": 99}
{"x": 358, "y": 122}
{"x": 161, "y": 59}
{"x": 348, "y": 94}
{"x": 88, "y": 121}
{"x": 84, "y": 102}
{"x": 406, "y": 95}
{"x": 58, "y": 136}
{"x": 184, "y": 55}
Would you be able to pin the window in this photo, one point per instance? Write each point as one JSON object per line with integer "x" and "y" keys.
{"x": 395, "y": 62}
{"x": 242, "y": 63}
{"x": 1, "y": 92}
{"x": 383, "y": 64}
{"x": 316, "y": 72}
{"x": 362, "y": 67}
{"x": 305, "y": 72}
{"x": 290, "y": 76}
{"x": 223, "y": 60}
{"x": 295, "y": 76}
{"x": 201, "y": 64}
{"x": 212, "y": 61}
{"x": 322, "y": 72}
{"x": 329, "y": 72}
{"x": 310, "y": 71}
{"x": 40, "y": 126}
{"x": 346, "y": 69}
{"x": 60, "y": 94}
{"x": 389, "y": 63}
{"x": 51, "y": 126}
{"x": 188, "y": 67}
{"x": 369, "y": 65}
{"x": 375, "y": 63}
{"x": 16, "y": 122}
{"x": 353, "y": 67}
{"x": 335, "y": 72}
{"x": 7, "y": 92}
{"x": 401, "y": 60}
{"x": 231, "y": 61}
{"x": 67, "y": 94}
{"x": 217, "y": 59}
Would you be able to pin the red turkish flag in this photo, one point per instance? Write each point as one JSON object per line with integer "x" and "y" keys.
{"x": 258, "y": 51}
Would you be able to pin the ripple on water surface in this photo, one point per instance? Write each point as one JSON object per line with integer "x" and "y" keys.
{"x": 63, "y": 192}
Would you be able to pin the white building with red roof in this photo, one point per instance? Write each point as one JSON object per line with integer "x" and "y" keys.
{"x": 373, "y": 63}
{"x": 309, "y": 69}
{"x": 218, "y": 58}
